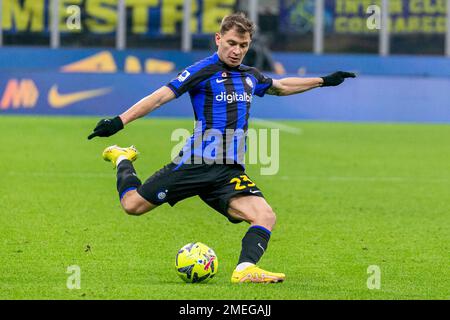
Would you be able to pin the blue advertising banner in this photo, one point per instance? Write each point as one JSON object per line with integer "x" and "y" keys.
{"x": 55, "y": 93}
{"x": 96, "y": 60}
{"x": 165, "y": 61}
{"x": 383, "y": 99}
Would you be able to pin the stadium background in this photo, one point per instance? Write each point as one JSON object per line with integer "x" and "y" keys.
{"x": 404, "y": 79}
{"x": 151, "y": 55}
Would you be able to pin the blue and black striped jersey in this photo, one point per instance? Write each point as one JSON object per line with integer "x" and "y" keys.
{"x": 221, "y": 97}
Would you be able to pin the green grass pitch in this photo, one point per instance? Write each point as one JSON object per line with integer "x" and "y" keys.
{"x": 347, "y": 196}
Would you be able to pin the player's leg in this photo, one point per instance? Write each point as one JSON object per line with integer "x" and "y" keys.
{"x": 127, "y": 180}
{"x": 238, "y": 198}
{"x": 134, "y": 204}
{"x": 258, "y": 213}
{"x": 252, "y": 209}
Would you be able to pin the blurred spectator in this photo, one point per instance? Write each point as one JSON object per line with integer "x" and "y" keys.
{"x": 260, "y": 57}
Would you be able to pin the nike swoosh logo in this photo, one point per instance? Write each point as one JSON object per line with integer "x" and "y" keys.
{"x": 259, "y": 245}
{"x": 58, "y": 100}
{"x": 255, "y": 191}
{"x": 220, "y": 81}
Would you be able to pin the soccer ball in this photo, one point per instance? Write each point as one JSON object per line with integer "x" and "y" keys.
{"x": 196, "y": 262}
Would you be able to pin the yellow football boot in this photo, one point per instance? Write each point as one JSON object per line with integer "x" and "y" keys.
{"x": 112, "y": 153}
{"x": 257, "y": 275}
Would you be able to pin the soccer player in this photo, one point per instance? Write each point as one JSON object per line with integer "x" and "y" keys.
{"x": 221, "y": 91}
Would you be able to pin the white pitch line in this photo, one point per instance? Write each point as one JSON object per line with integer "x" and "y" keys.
{"x": 277, "y": 125}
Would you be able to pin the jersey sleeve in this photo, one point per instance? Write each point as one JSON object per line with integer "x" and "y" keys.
{"x": 189, "y": 78}
{"x": 263, "y": 83}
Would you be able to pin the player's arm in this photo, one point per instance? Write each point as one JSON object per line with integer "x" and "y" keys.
{"x": 108, "y": 127}
{"x": 147, "y": 104}
{"x": 293, "y": 85}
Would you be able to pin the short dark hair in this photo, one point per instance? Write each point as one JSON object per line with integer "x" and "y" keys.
{"x": 240, "y": 22}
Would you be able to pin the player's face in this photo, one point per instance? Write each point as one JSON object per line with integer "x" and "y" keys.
{"x": 232, "y": 46}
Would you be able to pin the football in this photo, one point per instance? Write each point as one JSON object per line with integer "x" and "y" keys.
{"x": 196, "y": 262}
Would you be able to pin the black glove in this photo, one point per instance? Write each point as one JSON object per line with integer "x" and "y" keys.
{"x": 336, "y": 78}
{"x": 107, "y": 127}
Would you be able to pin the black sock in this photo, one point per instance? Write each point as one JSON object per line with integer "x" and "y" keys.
{"x": 254, "y": 244}
{"x": 126, "y": 178}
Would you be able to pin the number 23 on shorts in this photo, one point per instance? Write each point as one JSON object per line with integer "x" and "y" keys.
{"x": 242, "y": 182}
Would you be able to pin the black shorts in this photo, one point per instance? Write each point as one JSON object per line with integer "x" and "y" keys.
{"x": 215, "y": 184}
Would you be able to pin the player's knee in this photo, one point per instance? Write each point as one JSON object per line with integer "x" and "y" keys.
{"x": 267, "y": 218}
{"x": 133, "y": 204}
{"x": 130, "y": 208}
{"x": 271, "y": 218}
{"x": 133, "y": 208}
